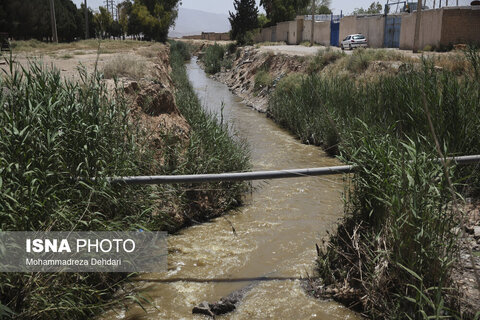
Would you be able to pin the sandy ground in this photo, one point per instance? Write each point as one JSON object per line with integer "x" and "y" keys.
{"x": 68, "y": 61}
{"x": 299, "y": 50}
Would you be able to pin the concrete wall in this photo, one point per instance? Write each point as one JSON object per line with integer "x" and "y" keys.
{"x": 295, "y": 30}
{"x": 266, "y": 34}
{"x": 321, "y": 34}
{"x": 460, "y": 25}
{"x": 372, "y": 27}
{"x": 283, "y": 28}
{"x": 430, "y": 29}
{"x": 348, "y": 25}
{"x": 195, "y": 37}
{"x": 214, "y": 36}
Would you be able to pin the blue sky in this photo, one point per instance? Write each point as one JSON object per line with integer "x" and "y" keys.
{"x": 223, "y": 6}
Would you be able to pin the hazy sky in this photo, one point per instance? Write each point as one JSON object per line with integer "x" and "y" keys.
{"x": 223, "y": 6}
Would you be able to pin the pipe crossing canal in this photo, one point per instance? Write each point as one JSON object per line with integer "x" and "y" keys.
{"x": 276, "y": 231}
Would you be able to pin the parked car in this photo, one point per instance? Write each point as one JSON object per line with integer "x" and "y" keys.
{"x": 354, "y": 41}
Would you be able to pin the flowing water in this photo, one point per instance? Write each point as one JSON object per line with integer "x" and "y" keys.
{"x": 276, "y": 231}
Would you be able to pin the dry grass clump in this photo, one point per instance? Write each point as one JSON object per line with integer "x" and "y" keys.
{"x": 125, "y": 66}
{"x": 92, "y": 44}
{"x": 323, "y": 58}
{"x": 150, "y": 51}
{"x": 361, "y": 58}
{"x": 269, "y": 43}
{"x": 456, "y": 62}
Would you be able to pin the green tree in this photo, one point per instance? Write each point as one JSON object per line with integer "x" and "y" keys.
{"x": 103, "y": 22}
{"x": 124, "y": 11}
{"x": 81, "y": 22}
{"x": 26, "y": 19}
{"x": 284, "y": 10}
{"x": 153, "y": 18}
{"x": 323, "y": 7}
{"x": 262, "y": 20}
{"x": 375, "y": 8}
{"x": 243, "y": 20}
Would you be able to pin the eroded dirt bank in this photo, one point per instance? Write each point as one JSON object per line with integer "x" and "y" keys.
{"x": 249, "y": 60}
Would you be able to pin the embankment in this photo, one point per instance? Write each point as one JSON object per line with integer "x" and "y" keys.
{"x": 394, "y": 254}
{"x": 54, "y": 129}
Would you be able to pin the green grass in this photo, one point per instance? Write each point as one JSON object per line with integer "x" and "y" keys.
{"x": 212, "y": 147}
{"x": 395, "y": 246}
{"x": 213, "y": 58}
{"x": 263, "y": 80}
{"x": 323, "y": 58}
{"x": 55, "y": 136}
{"x": 52, "y": 133}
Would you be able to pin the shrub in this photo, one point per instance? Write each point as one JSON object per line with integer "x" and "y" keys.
{"x": 54, "y": 132}
{"x": 232, "y": 48}
{"x": 428, "y": 48}
{"x": 213, "y": 58}
{"x": 181, "y": 48}
{"x": 213, "y": 148}
{"x": 323, "y": 58}
{"x": 263, "y": 79}
{"x": 398, "y": 214}
{"x": 125, "y": 66}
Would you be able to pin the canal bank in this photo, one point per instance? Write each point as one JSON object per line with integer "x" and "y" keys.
{"x": 275, "y": 232}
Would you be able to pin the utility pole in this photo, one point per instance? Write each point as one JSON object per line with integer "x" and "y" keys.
{"x": 313, "y": 24}
{"x": 86, "y": 20}
{"x": 418, "y": 21}
{"x": 53, "y": 21}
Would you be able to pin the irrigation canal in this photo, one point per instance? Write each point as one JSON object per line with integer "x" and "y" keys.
{"x": 276, "y": 231}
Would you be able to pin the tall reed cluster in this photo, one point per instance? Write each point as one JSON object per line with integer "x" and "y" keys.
{"x": 397, "y": 244}
{"x": 213, "y": 146}
{"x": 55, "y": 136}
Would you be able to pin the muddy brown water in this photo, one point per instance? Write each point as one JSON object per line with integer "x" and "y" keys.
{"x": 276, "y": 231}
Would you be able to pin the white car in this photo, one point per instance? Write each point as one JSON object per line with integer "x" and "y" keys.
{"x": 354, "y": 41}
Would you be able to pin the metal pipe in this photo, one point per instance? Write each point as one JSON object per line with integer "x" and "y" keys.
{"x": 239, "y": 176}
{"x": 259, "y": 175}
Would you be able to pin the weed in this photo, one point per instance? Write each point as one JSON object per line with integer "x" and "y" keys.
{"x": 125, "y": 66}
{"x": 396, "y": 240}
{"x": 212, "y": 148}
{"x": 396, "y": 247}
{"x": 52, "y": 132}
{"x": 323, "y": 58}
{"x": 263, "y": 80}
{"x": 213, "y": 58}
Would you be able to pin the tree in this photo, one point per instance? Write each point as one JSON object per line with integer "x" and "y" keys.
{"x": 243, "y": 20}
{"x": 262, "y": 20}
{"x": 375, "y": 8}
{"x": 284, "y": 10}
{"x": 80, "y": 21}
{"x": 124, "y": 11}
{"x": 103, "y": 22}
{"x": 153, "y": 18}
{"x": 26, "y": 19}
{"x": 323, "y": 7}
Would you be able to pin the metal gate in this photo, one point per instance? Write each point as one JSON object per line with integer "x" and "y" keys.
{"x": 393, "y": 25}
{"x": 274, "y": 34}
{"x": 334, "y": 32}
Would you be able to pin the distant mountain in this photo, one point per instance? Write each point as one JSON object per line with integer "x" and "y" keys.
{"x": 192, "y": 22}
